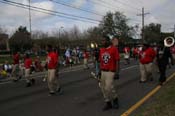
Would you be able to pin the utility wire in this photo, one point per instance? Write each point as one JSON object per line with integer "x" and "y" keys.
{"x": 66, "y": 14}
{"x": 107, "y": 5}
{"x": 68, "y": 5}
{"x": 53, "y": 14}
{"x": 125, "y": 4}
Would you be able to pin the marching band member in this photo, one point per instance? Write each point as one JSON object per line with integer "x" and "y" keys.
{"x": 163, "y": 55}
{"x": 108, "y": 63}
{"x": 27, "y": 65}
{"x": 146, "y": 58}
{"x": 52, "y": 65}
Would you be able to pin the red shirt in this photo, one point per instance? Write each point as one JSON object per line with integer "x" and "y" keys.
{"x": 85, "y": 55}
{"x": 27, "y": 63}
{"x": 52, "y": 60}
{"x": 147, "y": 56}
{"x": 136, "y": 51}
{"x": 173, "y": 49}
{"x": 108, "y": 58}
{"x": 126, "y": 50}
{"x": 16, "y": 59}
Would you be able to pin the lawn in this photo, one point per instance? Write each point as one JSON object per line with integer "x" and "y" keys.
{"x": 162, "y": 103}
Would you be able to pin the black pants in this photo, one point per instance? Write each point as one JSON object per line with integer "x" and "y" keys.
{"x": 162, "y": 70}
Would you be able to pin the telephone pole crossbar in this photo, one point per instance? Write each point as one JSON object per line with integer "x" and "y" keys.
{"x": 143, "y": 16}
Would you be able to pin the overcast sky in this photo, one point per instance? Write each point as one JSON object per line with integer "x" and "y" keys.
{"x": 11, "y": 17}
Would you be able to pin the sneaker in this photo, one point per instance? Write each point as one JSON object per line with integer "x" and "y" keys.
{"x": 107, "y": 106}
{"x": 93, "y": 75}
{"x": 115, "y": 104}
{"x": 44, "y": 79}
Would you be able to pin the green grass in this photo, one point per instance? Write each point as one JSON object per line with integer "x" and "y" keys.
{"x": 162, "y": 103}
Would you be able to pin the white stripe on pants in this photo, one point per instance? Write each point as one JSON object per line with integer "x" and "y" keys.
{"x": 107, "y": 86}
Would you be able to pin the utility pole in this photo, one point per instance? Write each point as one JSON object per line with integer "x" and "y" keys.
{"x": 143, "y": 16}
{"x": 30, "y": 25}
{"x": 173, "y": 30}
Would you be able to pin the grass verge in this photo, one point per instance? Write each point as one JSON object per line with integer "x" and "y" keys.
{"x": 161, "y": 104}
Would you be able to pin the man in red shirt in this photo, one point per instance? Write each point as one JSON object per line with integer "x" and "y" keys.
{"x": 173, "y": 52}
{"x": 108, "y": 64}
{"x": 15, "y": 68}
{"x": 27, "y": 66}
{"x": 146, "y": 58}
{"x": 52, "y": 65}
{"x": 86, "y": 56}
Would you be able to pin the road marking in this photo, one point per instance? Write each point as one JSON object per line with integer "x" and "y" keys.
{"x": 66, "y": 71}
{"x": 129, "y": 67}
{"x": 139, "y": 103}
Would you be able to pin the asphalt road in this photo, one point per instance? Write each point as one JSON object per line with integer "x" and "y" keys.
{"x": 81, "y": 94}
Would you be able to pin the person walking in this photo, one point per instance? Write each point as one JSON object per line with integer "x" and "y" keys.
{"x": 146, "y": 58}
{"x": 15, "y": 67}
{"x": 52, "y": 65}
{"x": 27, "y": 66}
{"x": 163, "y": 56}
{"x": 108, "y": 63}
{"x": 85, "y": 58}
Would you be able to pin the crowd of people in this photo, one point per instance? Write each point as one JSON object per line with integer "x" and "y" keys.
{"x": 107, "y": 65}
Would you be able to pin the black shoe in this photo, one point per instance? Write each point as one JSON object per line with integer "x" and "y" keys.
{"x": 160, "y": 83}
{"x": 115, "y": 104}
{"x": 52, "y": 93}
{"x": 107, "y": 106}
{"x": 15, "y": 80}
{"x": 151, "y": 79}
{"x": 19, "y": 77}
{"x": 142, "y": 81}
{"x": 33, "y": 81}
{"x": 59, "y": 90}
{"x": 28, "y": 84}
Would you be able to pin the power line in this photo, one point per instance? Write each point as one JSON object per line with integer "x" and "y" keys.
{"x": 66, "y": 14}
{"x": 53, "y": 14}
{"x": 100, "y": 4}
{"x": 125, "y": 4}
{"x": 107, "y": 5}
{"x": 68, "y": 5}
{"x": 104, "y": 2}
{"x": 138, "y": 3}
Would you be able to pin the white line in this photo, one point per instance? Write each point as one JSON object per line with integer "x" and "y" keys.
{"x": 129, "y": 67}
{"x": 71, "y": 71}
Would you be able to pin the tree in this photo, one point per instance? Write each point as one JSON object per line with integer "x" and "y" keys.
{"x": 21, "y": 40}
{"x": 115, "y": 24}
{"x": 152, "y": 33}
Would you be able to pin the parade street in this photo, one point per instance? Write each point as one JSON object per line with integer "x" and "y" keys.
{"x": 81, "y": 94}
